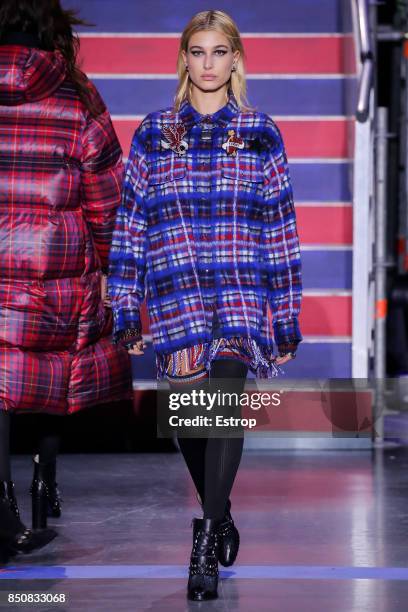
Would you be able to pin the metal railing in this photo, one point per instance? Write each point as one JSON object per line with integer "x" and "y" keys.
{"x": 367, "y": 61}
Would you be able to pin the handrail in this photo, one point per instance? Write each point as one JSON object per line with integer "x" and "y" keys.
{"x": 367, "y": 60}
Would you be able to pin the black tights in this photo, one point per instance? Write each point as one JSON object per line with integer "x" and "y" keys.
{"x": 47, "y": 443}
{"x": 4, "y": 446}
{"x": 213, "y": 461}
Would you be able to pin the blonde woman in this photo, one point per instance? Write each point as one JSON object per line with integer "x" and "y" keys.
{"x": 207, "y": 226}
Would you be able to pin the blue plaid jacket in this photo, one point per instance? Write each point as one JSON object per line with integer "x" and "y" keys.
{"x": 207, "y": 230}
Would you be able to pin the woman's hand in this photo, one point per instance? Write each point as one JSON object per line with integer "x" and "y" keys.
{"x": 137, "y": 348}
{"x": 104, "y": 292}
{"x": 284, "y": 359}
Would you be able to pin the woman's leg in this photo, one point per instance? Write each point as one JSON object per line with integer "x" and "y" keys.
{"x": 48, "y": 440}
{"x": 5, "y": 467}
{"x": 46, "y": 499}
{"x": 223, "y": 455}
{"x": 192, "y": 449}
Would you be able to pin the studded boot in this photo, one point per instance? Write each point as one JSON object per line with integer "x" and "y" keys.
{"x": 203, "y": 570}
{"x": 228, "y": 537}
{"x": 46, "y": 500}
{"x": 7, "y": 495}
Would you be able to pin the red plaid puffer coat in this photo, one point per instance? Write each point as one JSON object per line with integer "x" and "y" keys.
{"x": 60, "y": 182}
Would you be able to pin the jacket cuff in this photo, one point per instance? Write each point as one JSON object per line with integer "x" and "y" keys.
{"x": 287, "y": 335}
{"x": 126, "y": 318}
{"x": 127, "y": 337}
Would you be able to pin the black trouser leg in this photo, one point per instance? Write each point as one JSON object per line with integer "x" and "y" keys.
{"x": 5, "y": 466}
{"x": 193, "y": 449}
{"x": 223, "y": 455}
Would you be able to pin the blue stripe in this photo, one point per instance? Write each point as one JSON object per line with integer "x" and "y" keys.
{"x": 320, "y": 360}
{"x": 162, "y": 572}
{"x": 274, "y": 96}
{"x": 321, "y": 182}
{"x": 327, "y": 269}
{"x": 313, "y": 360}
{"x": 155, "y": 16}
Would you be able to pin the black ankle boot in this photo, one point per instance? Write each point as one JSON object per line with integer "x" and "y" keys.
{"x": 45, "y": 493}
{"x": 26, "y": 541}
{"x": 7, "y": 494}
{"x": 228, "y": 537}
{"x": 203, "y": 571}
{"x": 15, "y": 537}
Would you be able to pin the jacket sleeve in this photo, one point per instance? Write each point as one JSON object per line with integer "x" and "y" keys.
{"x": 127, "y": 259}
{"x": 280, "y": 244}
{"x": 101, "y": 180}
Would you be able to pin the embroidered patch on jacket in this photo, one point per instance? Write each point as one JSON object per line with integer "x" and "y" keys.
{"x": 174, "y": 138}
{"x": 233, "y": 143}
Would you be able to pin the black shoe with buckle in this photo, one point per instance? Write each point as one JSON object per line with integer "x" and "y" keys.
{"x": 203, "y": 570}
{"x": 228, "y": 537}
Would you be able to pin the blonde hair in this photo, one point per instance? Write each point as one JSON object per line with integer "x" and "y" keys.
{"x": 220, "y": 21}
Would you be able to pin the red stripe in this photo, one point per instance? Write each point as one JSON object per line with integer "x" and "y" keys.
{"x": 271, "y": 55}
{"x": 320, "y": 316}
{"x": 334, "y": 224}
{"x": 302, "y": 138}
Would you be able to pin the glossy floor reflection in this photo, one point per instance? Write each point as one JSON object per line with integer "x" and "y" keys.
{"x": 319, "y": 531}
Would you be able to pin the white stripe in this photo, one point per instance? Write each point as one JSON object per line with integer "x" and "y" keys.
{"x": 252, "y": 77}
{"x": 328, "y": 292}
{"x": 326, "y": 339}
{"x": 326, "y": 247}
{"x": 305, "y": 204}
{"x": 320, "y": 160}
{"x": 243, "y": 35}
{"x": 276, "y": 117}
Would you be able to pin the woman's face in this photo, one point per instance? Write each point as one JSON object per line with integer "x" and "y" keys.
{"x": 209, "y": 59}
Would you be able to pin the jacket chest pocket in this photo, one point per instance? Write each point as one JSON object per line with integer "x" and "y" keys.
{"x": 164, "y": 170}
{"x": 245, "y": 169}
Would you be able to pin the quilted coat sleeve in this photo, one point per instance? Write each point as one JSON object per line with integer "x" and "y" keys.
{"x": 127, "y": 260}
{"x": 280, "y": 244}
{"x": 101, "y": 179}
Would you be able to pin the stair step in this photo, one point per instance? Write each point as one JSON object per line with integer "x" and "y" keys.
{"x": 322, "y": 314}
{"x": 320, "y": 360}
{"x": 259, "y": 16}
{"x": 303, "y": 138}
{"x": 267, "y": 54}
{"x": 319, "y": 95}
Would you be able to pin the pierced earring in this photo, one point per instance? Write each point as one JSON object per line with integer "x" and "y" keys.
{"x": 186, "y": 67}
{"x": 234, "y": 68}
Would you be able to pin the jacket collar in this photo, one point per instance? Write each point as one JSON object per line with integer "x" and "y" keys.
{"x": 190, "y": 116}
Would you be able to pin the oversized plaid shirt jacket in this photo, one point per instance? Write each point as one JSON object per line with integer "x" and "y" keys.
{"x": 208, "y": 231}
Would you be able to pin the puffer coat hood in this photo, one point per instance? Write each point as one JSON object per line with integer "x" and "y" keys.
{"x": 29, "y": 74}
{"x": 60, "y": 181}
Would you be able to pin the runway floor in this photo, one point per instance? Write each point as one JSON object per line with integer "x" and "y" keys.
{"x": 321, "y": 531}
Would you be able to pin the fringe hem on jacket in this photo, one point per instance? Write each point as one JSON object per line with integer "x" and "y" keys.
{"x": 247, "y": 350}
